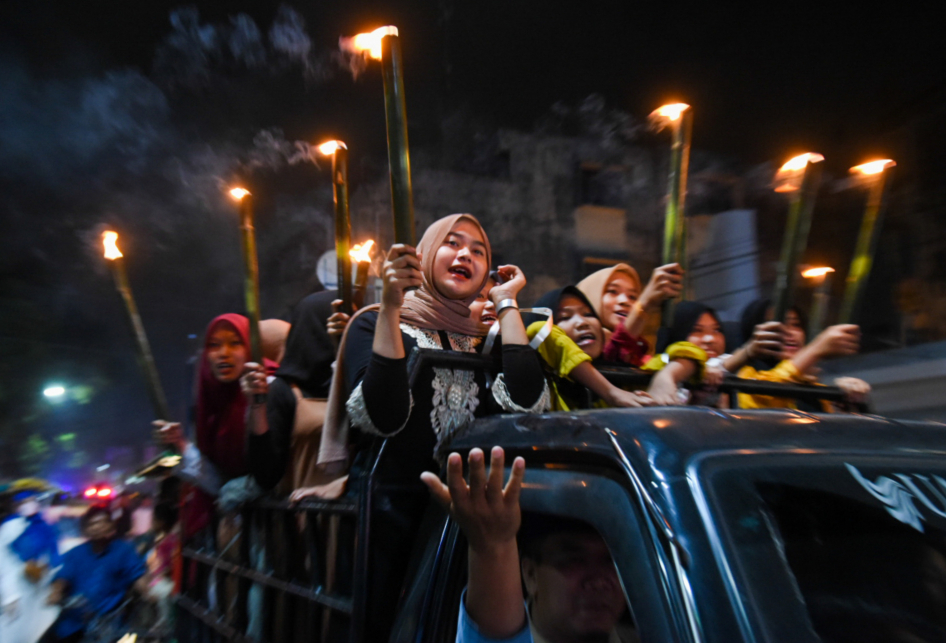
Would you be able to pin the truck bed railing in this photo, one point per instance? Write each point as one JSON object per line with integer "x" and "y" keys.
{"x": 284, "y": 578}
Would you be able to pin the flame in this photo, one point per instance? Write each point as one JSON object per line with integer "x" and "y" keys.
{"x": 820, "y": 271}
{"x": 109, "y": 239}
{"x": 239, "y": 193}
{"x": 800, "y": 162}
{"x": 873, "y": 167}
{"x": 369, "y": 43}
{"x": 788, "y": 178}
{"x": 671, "y": 112}
{"x": 328, "y": 148}
{"x": 362, "y": 251}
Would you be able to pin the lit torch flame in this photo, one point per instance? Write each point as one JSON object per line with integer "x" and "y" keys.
{"x": 328, "y": 148}
{"x": 821, "y": 271}
{"x": 671, "y": 112}
{"x": 788, "y": 178}
{"x": 873, "y": 167}
{"x": 368, "y": 43}
{"x": 361, "y": 252}
{"x": 109, "y": 239}
{"x": 239, "y": 193}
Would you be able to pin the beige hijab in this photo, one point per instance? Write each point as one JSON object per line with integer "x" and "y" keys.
{"x": 594, "y": 285}
{"x": 427, "y": 307}
{"x": 424, "y": 308}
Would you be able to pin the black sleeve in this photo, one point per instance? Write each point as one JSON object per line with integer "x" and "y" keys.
{"x": 523, "y": 375}
{"x": 384, "y": 383}
{"x": 269, "y": 453}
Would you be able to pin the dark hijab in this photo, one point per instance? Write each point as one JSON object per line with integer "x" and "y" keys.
{"x": 307, "y": 362}
{"x": 552, "y": 299}
{"x": 758, "y": 313}
{"x": 685, "y": 316}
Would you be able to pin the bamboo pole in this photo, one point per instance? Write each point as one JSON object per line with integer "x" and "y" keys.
{"x": 143, "y": 347}
{"x": 342, "y": 226}
{"x": 866, "y": 248}
{"x": 395, "y": 113}
{"x": 674, "y": 239}
{"x": 796, "y": 235}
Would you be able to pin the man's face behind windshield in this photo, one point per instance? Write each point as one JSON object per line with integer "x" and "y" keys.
{"x": 573, "y": 587}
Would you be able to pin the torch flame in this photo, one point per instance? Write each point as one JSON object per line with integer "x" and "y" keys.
{"x": 239, "y": 193}
{"x": 361, "y": 252}
{"x": 369, "y": 43}
{"x": 788, "y": 178}
{"x": 109, "y": 239}
{"x": 873, "y": 167}
{"x": 328, "y": 148}
{"x": 671, "y": 112}
{"x": 800, "y": 162}
{"x": 821, "y": 271}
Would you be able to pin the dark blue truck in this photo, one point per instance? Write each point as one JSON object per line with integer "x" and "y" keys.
{"x": 723, "y": 526}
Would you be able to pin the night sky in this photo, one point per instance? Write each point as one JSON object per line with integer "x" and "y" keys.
{"x": 135, "y": 114}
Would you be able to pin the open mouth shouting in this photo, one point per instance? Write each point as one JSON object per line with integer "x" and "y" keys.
{"x": 488, "y": 318}
{"x": 224, "y": 369}
{"x": 586, "y": 339}
{"x": 461, "y": 271}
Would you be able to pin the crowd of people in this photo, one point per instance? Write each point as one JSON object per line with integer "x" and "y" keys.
{"x": 117, "y": 575}
{"x": 301, "y": 423}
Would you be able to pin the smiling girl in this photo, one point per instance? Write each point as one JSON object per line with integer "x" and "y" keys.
{"x": 619, "y": 302}
{"x": 447, "y": 271}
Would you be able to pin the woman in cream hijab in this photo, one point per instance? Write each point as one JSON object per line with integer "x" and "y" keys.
{"x": 615, "y": 293}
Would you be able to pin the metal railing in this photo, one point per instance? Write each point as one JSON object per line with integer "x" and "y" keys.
{"x": 302, "y": 572}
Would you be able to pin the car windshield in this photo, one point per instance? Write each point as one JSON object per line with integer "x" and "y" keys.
{"x": 862, "y": 549}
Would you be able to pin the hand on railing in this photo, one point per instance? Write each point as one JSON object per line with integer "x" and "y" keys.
{"x": 856, "y": 391}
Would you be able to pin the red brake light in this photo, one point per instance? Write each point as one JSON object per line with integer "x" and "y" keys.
{"x": 90, "y": 492}
{"x": 104, "y": 492}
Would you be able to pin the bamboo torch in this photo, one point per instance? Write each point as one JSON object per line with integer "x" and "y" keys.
{"x": 384, "y": 44}
{"x": 339, "y": 153}
{"x": 800, "y": 177}
{"x": 819, "y": 305}
{"x": 679, "y": 117}
{"x": 361, "y": 255}
{"x": 250, "y": 276}
{"x": 875, "y": 175}
{"x": 145, "y": 358}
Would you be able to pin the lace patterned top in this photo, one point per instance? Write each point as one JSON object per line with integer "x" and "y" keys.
{"x": 381, "y": 401}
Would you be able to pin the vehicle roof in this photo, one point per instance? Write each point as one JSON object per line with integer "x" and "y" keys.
{"x": 668, "y": 438}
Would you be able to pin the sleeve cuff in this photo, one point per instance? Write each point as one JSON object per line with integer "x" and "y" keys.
{"x": 468, "y": 632}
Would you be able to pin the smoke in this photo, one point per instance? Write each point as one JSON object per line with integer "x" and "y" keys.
{"x": 193, "y": 52}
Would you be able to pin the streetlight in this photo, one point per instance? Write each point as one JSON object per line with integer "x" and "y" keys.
{"x": 800, "y": 177}
{"x": 54, "y": 392}
{"x": 679, "y": 117}
{"x": 821, "y": 276}
{"x": 339, "y": 153}
{"x": 874, "y": 175}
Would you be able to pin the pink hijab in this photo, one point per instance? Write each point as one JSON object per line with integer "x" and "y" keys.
{"x": 424, "y": 308}
{"x": 427, "y": 307}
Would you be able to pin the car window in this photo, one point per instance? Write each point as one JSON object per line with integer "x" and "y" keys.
{"x": 824, "y": 547}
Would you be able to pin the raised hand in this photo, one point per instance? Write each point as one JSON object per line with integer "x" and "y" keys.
{"x": 489, "y": 515}
{"x": 512, "y": 281}
{"x": 487, "y": 512}
{"x": 766, "y": 340}
{"x": 170, "y": 434}
{"x": 401, "y": 271}
{"x": 666, "y": 282}
{"x": 253, "y": 381}
{"x": 838, "y": 341}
